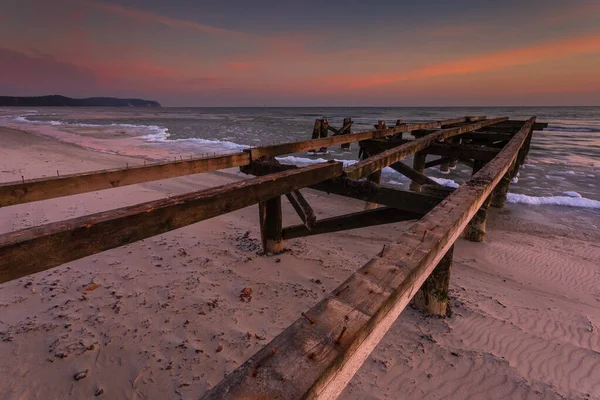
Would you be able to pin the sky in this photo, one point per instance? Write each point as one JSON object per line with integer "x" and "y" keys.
{"x": 305, "y": 53}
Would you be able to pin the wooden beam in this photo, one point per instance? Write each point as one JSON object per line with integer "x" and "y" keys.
{"x": 437, "y": 162}
{"x": 37, "y": 249}
{"x": 388, "y": 157}
{"x": 462, "y": 151}
{"x": 355, "y": 189}
{"x": 316, "y": 356}
{"x": 381, "y": 194}
{"x": 12, "y": 193}
{"x": 304, "y": 210}
{"x": 413, "y": 174}
{"x": 361, "y": 219}
{"x": 306, "y": 145}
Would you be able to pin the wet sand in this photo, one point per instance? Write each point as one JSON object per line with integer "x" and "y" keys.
{"x": 162, "y": 318}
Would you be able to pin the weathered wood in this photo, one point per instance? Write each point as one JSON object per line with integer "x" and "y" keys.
{"x": 37, "y": 249}
{"x": 355, "y": 189}
{"x": 413, "y": 174}
{"x": 303, "y": 209}
{"x": 288, "y": 148}
{"x": 317, "y": 128}
{"x": 269, "y": 214}
{"x": 437, "y": 162}
{"x": 347, "y": 128}
{"x": 462, "y": 151}
{"x": 388, "y": 157}
{"x": 12, "y": 193}
{"x": 433, "y": 295}
{"x": 361, "y": 219}
{"x": 475, "y": 230}
{"x": 380, "y": 194}
{"x": 419, "y": 161}
{"x": 324, "y": 128}
{"x": 312, "y": 358}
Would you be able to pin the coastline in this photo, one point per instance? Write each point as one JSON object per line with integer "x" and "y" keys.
{"x": 524, "y": 325}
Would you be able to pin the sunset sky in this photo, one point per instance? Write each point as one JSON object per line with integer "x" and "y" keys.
{"x": 296, "y": 53}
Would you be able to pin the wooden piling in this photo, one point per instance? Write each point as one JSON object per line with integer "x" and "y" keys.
{"x": 475, "y": 231}
{"x": 348, "y": 124}
{"x": 418, "y": 165}
{"x": 323, "y": 135}
{"x": 375, "y": 177}
{"x": 433, "y": 295}
{"x": 269, "y": 213}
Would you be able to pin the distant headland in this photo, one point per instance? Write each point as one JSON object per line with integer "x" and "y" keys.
{"x": 62, "y": 101}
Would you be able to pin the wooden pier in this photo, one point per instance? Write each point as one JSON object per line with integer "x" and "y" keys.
{"x": 329, "y": 342}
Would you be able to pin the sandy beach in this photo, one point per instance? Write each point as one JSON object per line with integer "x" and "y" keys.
{"x": 163, "y": 319}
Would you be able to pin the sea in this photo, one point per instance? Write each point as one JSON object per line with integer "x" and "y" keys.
{"x": 563, "y": 167}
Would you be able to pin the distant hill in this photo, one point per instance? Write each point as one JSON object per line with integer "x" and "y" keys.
{"x": 62, "y": 101}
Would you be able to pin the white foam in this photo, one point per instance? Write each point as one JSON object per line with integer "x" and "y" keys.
{"x": 581, "y": 202}
{"x": 573, "y": 194}
{"x": 445, "y": 182}
{"x": 514, "y": 179}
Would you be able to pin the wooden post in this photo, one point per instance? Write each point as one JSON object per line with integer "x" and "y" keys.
{"x": 501, "y": 191}
{"x": 375, "y": 177}
{"x": 418, "y": 165}
{"x": 398, "y": 123}
{"x": 475, "y": 231}
{"x": 348, "y": 123}
{"x": 323, "y": 134}
{"x": 433, "y": 295}
{"x": 269, "y": 213}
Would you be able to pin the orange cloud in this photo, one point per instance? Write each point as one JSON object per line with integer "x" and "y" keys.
{"x": 479, "y": 63}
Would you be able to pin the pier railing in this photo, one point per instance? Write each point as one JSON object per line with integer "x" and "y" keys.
{"x": 329, "y": 342}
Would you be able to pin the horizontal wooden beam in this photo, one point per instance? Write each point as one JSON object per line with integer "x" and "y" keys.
{"x": 288, "y": 148}
{"x": 459, "y": 151}
{"x": 361, "y": 219}
{"x": 12, "y": 193}
{"x": 391, "y": 156}
{"x": 418, "y": 203}
{"x": 437, "y": 162}
{"x": 37, "y": 249}
{"x": 316, "y": 356}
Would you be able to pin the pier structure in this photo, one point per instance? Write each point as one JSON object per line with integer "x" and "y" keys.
{"x": 318, "y": 354}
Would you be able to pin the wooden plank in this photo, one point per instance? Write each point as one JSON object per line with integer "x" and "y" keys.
{"x": 37, "y": 249}
{"x": 346, "y": 129}
{"x": 12, "y": 193}
{"x": 360, "y": 190}
{"x": 413, "y": 174}
{"x": 315, "y": 357}
{"x": 462, "y": 151}
{"x": 419, "y": 161}
{"x": 388, "y": 157}
{"x": 306, "y": 145}
{"x": 303, "y": 209}
{"x": 361, "y": 219}
{"x": 437, "y": 162}
{"x": 269, "y": 215}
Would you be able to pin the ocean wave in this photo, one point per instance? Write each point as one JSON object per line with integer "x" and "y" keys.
{"x": 561, "y": 128}
{"x": 570, "y": 201}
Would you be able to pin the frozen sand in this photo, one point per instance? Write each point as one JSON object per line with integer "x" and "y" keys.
{"x": 525, "y": 304}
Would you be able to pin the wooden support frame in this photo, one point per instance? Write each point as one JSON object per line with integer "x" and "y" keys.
{"x": 361, "y": 219}
{"x": 462, "y": 151}
{"x": 306, "y": 145}
{"x": 330, "y": 344}
{"x": 37, "y": 249}
{"x": 388, "y": 157}
{"x": 13, "y": 193}
{"x": 437, "y": 162}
